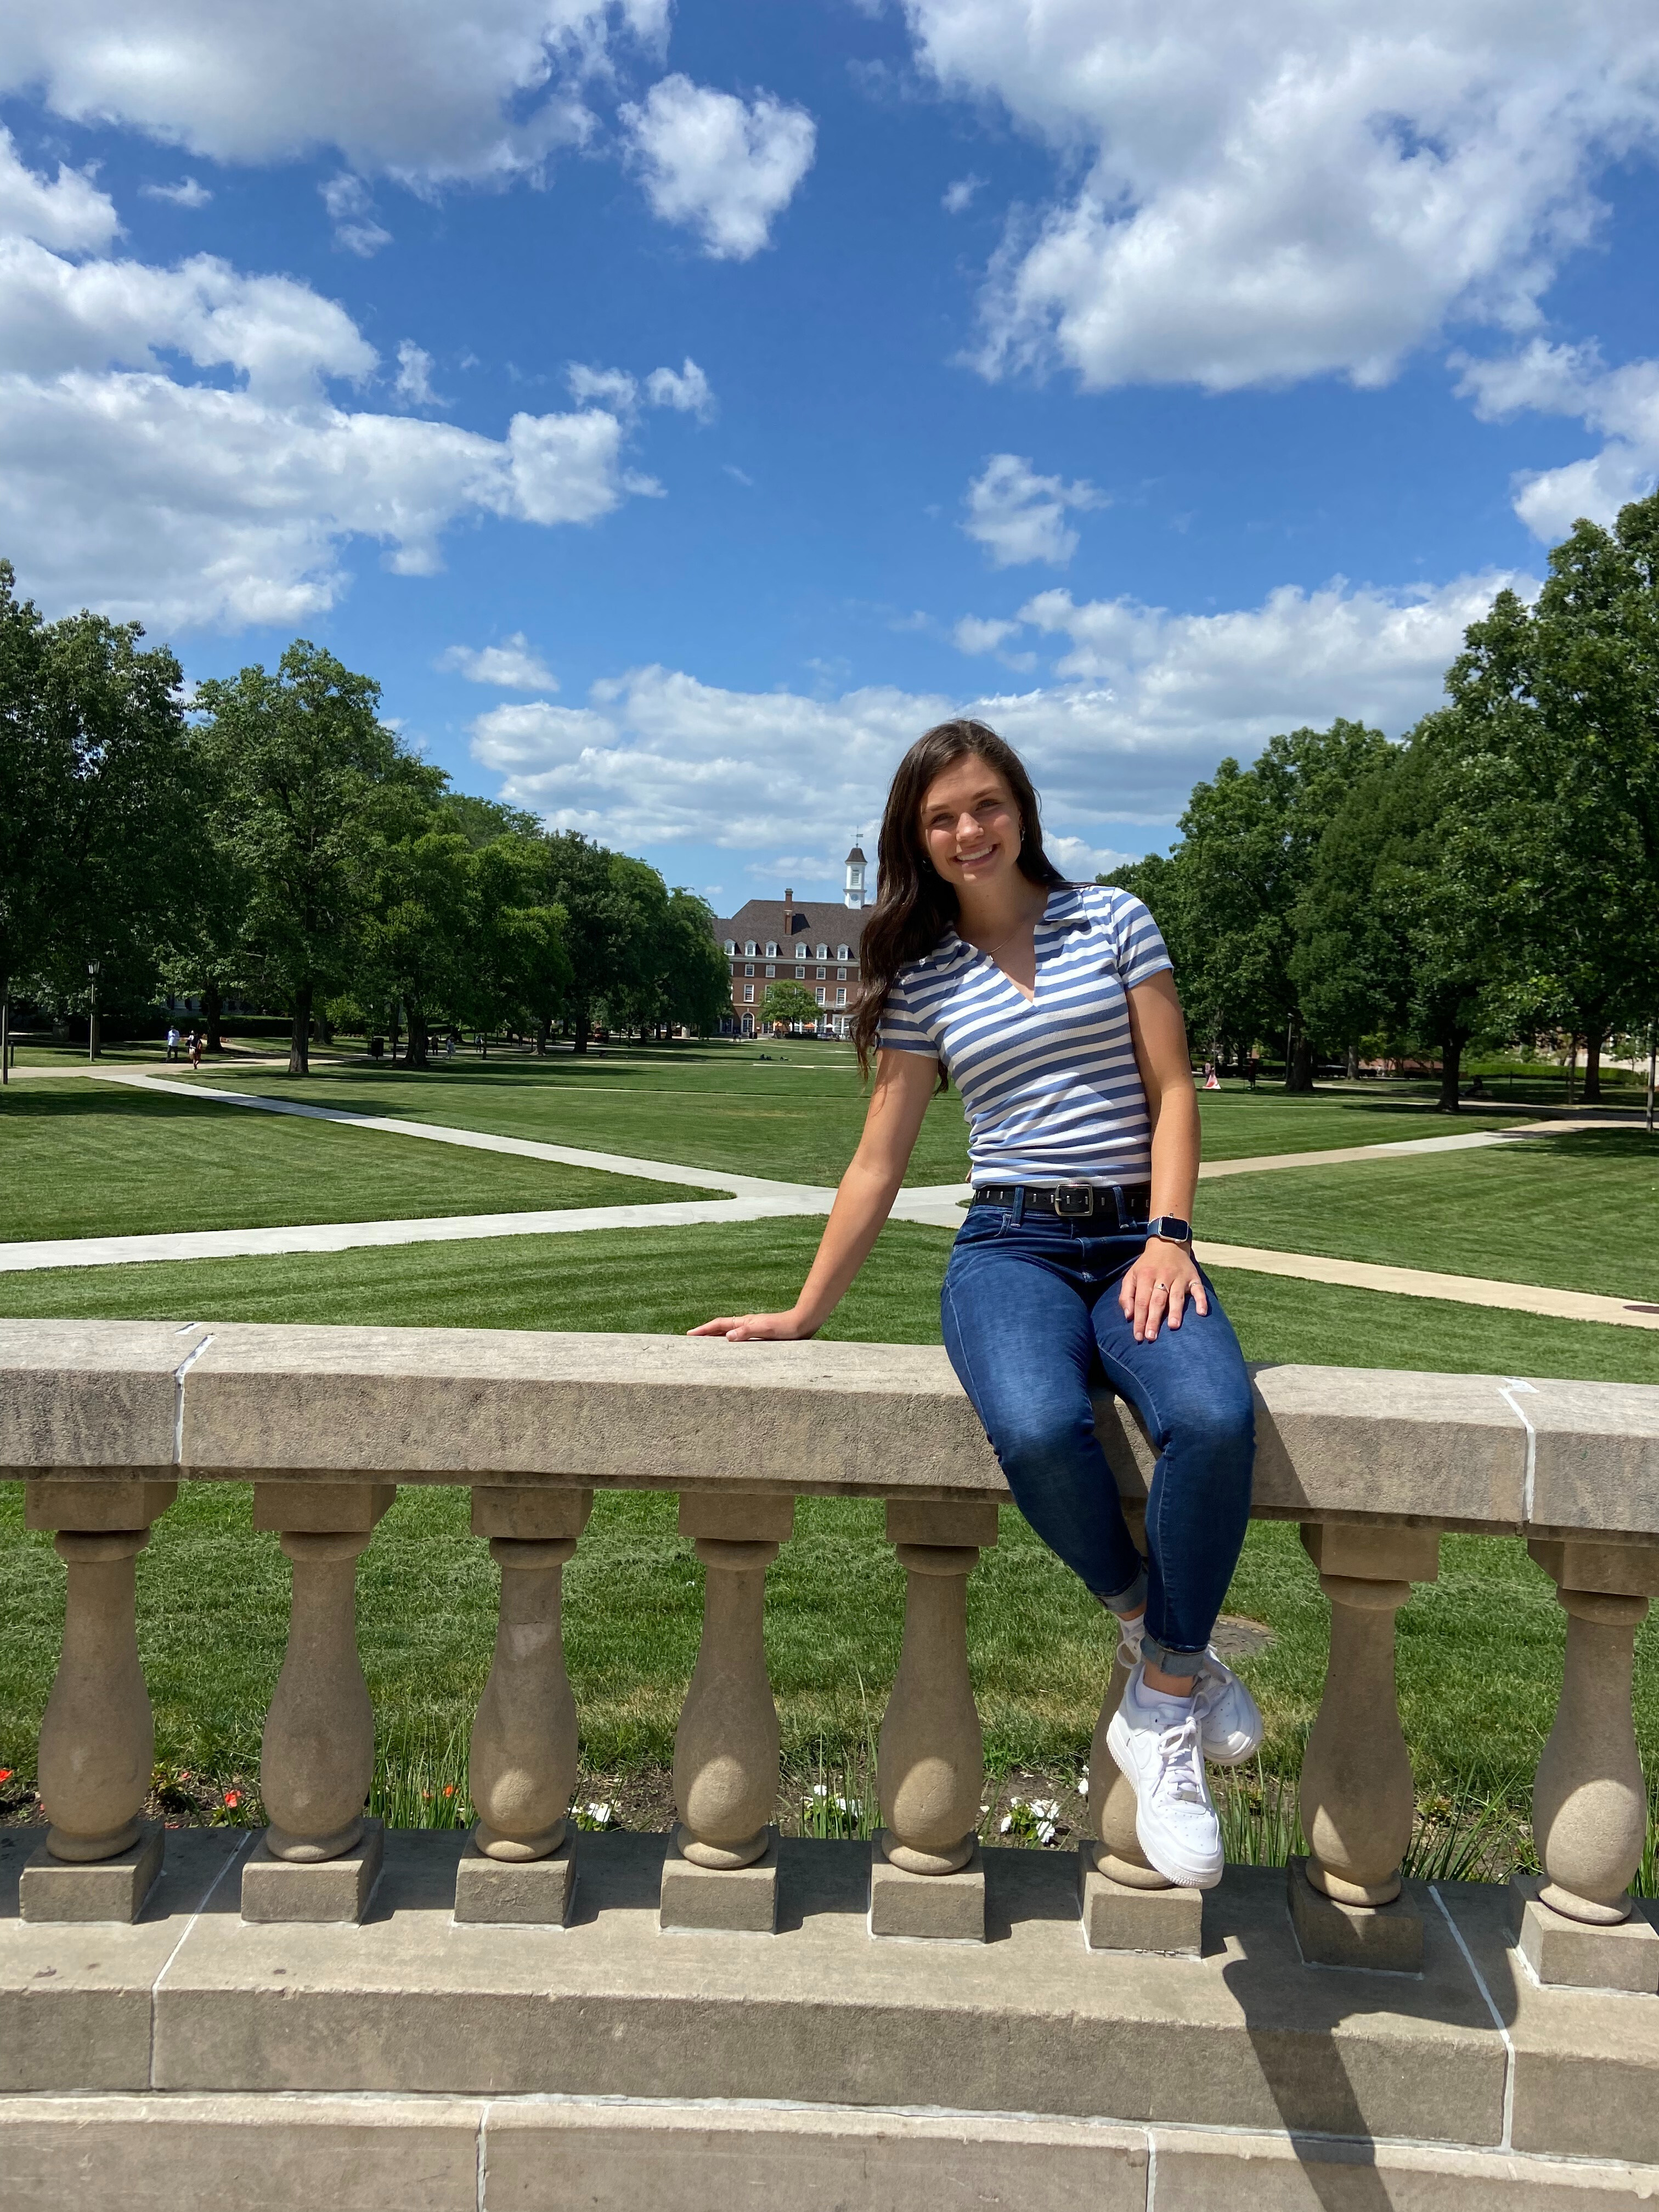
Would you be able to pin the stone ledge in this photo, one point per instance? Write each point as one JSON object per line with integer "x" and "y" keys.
{"x": 518, "y": 1407}
{"x": 437, "y": 2154}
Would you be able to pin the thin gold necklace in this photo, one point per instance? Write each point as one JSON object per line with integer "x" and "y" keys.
{"x": 990, "y": 951}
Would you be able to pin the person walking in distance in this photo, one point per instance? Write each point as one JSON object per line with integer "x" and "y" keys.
{"x": 172, "y": 1040}
{"x": 1053, "y": 1007}
{"x": 196, "y": 1049}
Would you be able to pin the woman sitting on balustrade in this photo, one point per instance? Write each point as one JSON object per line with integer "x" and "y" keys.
{"x": 1054, "y": 1007}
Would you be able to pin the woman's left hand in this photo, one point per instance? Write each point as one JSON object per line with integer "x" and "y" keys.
{"x": 1158, "y": 1286}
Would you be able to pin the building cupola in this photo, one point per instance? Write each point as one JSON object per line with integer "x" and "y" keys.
{"x": 854, "y": 893}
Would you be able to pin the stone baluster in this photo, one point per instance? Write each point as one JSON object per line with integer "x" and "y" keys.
{"x": 722, "y": 1871}
{"x": 927, "y": 1878}
{"x": 100, "y": 1858}
{"x": 521, "y": 1863}
{"x": 319, "y": 1857}
{"x": 1589, "y": 1805}
{"x": 1357, "y": 1797}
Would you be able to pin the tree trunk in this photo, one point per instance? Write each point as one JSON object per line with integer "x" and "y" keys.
{"x": 1299, "y": 1071}
{"x": 394, "y": 1026}
{"x": 211, "y": 1014}
{"x": 1451, "y": 1061}
{"x": 1572, "y": 1063}
{"x": 541, "y": 1029}
{"x": 416, "y": 1055}
{"x": 1353, "y": 1063}
{"x": 299, "y": 1046}
{"x": 5, "y": 1039}
{"x": 582, "y": 1029}
{"x": 1593, "y": 1040}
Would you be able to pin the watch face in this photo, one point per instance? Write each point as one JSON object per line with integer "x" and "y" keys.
{"x": 1171, "y": 1227}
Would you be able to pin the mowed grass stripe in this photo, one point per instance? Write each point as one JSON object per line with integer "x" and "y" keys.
{"x": 1575, "y": 1211}
{"x": 797, "y": 1118}
{"x": 85, "y": 1158}
{"x": 660, "y": 1280}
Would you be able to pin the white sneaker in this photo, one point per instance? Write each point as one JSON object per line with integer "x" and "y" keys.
{"x": 1229, "y": 1720}
{"x": 1175, "y": 1824}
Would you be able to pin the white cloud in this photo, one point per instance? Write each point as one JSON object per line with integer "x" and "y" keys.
{"x": 1146, "y": 702}
{"x": 1621, "y": 404}
{"x": 514, "y": 665}
{"x": 131, "y": 489}
{"x": 959, "y": 196}
{"x": 186, "y": 506}
{"x": 351, "y": 211}
{"x": 72, "y": 213}
{"x": 57, "y": 314}
{"x": 420, "y": 89}
{"x": 413, "y": 382}
{"x": 721, "y": 166}
{"x": 686, "y": 390}
{"x": 975, "y": 633}
{"x": 1295, "y": 188}
{"x": 1018, "y": 515}
{"x": 186, "y": 193}
{"x": 610, "y": 387}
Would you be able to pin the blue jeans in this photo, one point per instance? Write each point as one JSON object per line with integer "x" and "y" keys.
{"x": 1030, "y": 1315}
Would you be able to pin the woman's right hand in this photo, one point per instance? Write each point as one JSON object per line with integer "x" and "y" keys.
{"x": 756, "y": 1328}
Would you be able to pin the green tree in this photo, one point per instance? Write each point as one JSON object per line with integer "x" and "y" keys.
{"x": 417, "y": 923}
{"x": 130, "y": 811}
{"x": 1226, "y": 897}
{"x": 303, "y": 767}
{"x": 789, "y": 1003}
{"x": 35, "y": 773}
{"x": 1555, "y": 718}
{"x": 515, "y": 966}
{"x": 696, "y": 986}
{"x": 598, "y": 918}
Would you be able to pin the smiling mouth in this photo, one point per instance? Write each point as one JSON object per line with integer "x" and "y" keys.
{"x": 968, "y": 859}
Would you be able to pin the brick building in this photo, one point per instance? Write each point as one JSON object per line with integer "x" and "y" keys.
{"x": 804, "y": 941}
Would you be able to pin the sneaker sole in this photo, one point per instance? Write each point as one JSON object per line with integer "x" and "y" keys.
{"x": 1235, "y": 1758}
{"x": 1164, "y": 1862}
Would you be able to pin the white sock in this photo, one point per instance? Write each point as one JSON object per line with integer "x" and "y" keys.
{"x": 1159, "y": 1705}
{"x": 1131, "y": 1632}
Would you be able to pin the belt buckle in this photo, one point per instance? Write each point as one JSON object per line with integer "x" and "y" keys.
{"x": 1072, "y": 1199}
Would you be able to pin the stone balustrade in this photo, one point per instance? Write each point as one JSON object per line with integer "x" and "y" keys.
{"x": 103, "y": 1420}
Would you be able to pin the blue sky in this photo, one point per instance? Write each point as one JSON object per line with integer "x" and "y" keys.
{"x": 676, "y": 410}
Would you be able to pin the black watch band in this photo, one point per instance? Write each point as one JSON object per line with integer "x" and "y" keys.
{"x": 1171, "y": 1228}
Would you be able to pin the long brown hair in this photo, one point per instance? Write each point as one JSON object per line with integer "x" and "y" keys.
{"x": 913, "y": 906}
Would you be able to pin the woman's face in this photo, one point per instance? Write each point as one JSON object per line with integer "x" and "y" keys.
{"x": 970, "y": 825}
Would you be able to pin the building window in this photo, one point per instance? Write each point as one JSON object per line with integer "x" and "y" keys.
{"x": 823, "y": 952}
{"x": 770, "y": 970}
{"x": 840, "y": 974}
{"x": 822, "y": 972}
{"x": 824, "y": 998}
{"x": 748, "y": 950}
{"x": 840, "y": 952}
{"x": 748, "y": 968}
{"x": 800, "y": 974}
{"x": 841, "y": 998}
{"x": 748, "y": 990}
{"x": 771, "y": 952}
{"x": 731, "y": 946}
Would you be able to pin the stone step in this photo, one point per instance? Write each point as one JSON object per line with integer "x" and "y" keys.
{"x": 1470, "y": 2053}
{"x": 435, "y": 2154}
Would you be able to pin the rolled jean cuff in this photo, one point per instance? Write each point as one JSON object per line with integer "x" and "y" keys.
{"x": 1168, "y": 1660}
{"x": 1127, "y": 1600}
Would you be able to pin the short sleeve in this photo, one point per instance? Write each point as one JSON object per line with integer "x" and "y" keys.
{"x": 901, "y": 1028}
{"x": 1141, "y": 952}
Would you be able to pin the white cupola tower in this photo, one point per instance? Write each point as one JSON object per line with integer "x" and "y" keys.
{"x": 854, "y": 893}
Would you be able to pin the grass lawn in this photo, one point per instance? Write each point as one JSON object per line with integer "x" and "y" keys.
{"x": 795, "y": 1114}
{"x": 85, "y": 1158}
{"x": 1576, "y": 1211}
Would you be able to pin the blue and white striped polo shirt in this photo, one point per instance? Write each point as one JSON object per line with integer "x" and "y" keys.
{"x": 1050, "y": 1086}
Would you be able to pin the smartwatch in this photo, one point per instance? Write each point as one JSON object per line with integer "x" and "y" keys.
{"x": 1171, "y": 1228}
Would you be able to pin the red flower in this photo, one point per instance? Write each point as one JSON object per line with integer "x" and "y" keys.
{"x": 449, "y": 1790}
{"x": 5, "y": 1773}
{"x": 233, "y": 1797}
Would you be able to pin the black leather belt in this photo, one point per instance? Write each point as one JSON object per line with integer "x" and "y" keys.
{"x": 1126, "y": 1205}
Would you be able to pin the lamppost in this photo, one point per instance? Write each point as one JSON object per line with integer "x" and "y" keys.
{"x": 92, "y": 1018}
